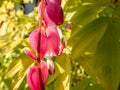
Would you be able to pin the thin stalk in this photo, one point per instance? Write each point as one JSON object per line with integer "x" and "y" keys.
{"x": 40, "y": 27}
{"x": 41, "y": 14}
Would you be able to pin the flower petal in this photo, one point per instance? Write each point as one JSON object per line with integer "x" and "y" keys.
{"x": 33, "y": 78}
{"x": 53, "y": 39}
{"x": 55, "y": 1}
{"x": 44, "y": 71}
{"x": 37, "y": 76}
{"x": 48, "y": 21}
{"x": 42, "y": 45}
{"x": 34, "y": 39}
{"x": 55, "y": 13}
{"x": 50, "y": 66}
{"x": 30, "y": 54}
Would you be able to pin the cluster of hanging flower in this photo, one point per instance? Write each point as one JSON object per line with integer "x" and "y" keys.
{"x": 46, "y": 43}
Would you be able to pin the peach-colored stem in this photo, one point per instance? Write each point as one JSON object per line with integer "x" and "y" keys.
{"x": 41, "y": 13}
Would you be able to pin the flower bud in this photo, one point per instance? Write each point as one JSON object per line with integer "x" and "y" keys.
{"x": 37, "y": 76}
{"x": 33, "y": 78}
{"x": 55, "y": 13}
{"x": 50, "y": 64}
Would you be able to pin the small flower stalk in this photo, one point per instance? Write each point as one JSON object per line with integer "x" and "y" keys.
{"x": 46, "y": 42}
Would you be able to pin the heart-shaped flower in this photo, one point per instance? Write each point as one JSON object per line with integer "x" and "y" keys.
{"x": 52, "y": 12}
{"x": 45, "y": 43}
{"x": 37, "y": 76}
{"x": 49, "y": 45}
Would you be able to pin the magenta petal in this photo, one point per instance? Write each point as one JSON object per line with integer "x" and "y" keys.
{"x": 44, "y": 72}
{"x": 30, "y": 54}
{"x": 37, "y": 76}
{"x": 55, "y": 13}
{"x": 53, "y": 39}
{"x": 42, "y": 45}
{"x": 58, "y": 1}
{"x": 33, "y": 78}
{"x": 34, "y": 39}
{"x": 54, "y": 1}
{"x": 48, "y": 21}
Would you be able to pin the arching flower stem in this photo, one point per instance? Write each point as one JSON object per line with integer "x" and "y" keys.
{"x": 41, "y": 14}
{"x": 39, "y": 35}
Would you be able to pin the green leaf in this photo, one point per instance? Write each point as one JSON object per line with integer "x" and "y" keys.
{"x": 90, "y": 34}
{"x": 18, "y": 70}
{"x": 87, "y": 84}
{"x": 63, "y": 70}
{"x": 85, "y": 43}
{"x": 82, "y": 85}
{"x": 107, "y": 57}
{"x": 63, "y": 80}
{"x": 97, "y": 48}
{"x": 82, "y": 18}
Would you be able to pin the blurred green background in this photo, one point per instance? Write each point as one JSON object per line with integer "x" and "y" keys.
{"x": 91, "y": 58}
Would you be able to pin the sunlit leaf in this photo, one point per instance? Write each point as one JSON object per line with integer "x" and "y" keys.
{"x": 63, "y": 71}
{"x": 18, "y": 70}
{"x": 63, "y": 80}
{"x": 99, "y": 52}
{"x": 89, "y": 34}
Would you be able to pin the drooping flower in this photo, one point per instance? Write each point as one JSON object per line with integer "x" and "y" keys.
{"x": 52, "y": 12}
{"x": 34, "y": 37}
{"x": 55, "y": 48}
{"x": 37, "y": 76}
{"x": 45, "y": 43}
{"x": 55, "y": 13}
{"x": 50, "y": 44}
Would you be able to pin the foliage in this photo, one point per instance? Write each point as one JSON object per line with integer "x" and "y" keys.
{"x": 94, "y": 44}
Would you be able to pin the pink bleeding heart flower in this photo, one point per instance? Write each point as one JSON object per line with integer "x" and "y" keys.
{"x": 45, "y": 43}
{"x": 38, "y": 42}
{"x": 49, "y": 45}
{"x": 55, "y": 48}
{"x": 36, "y": 35}
{"x": 53, "y": 40}
{"x": 53, "y": 12}
{"x": 37, "y": 76}
{"x": 47, "y": 21}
